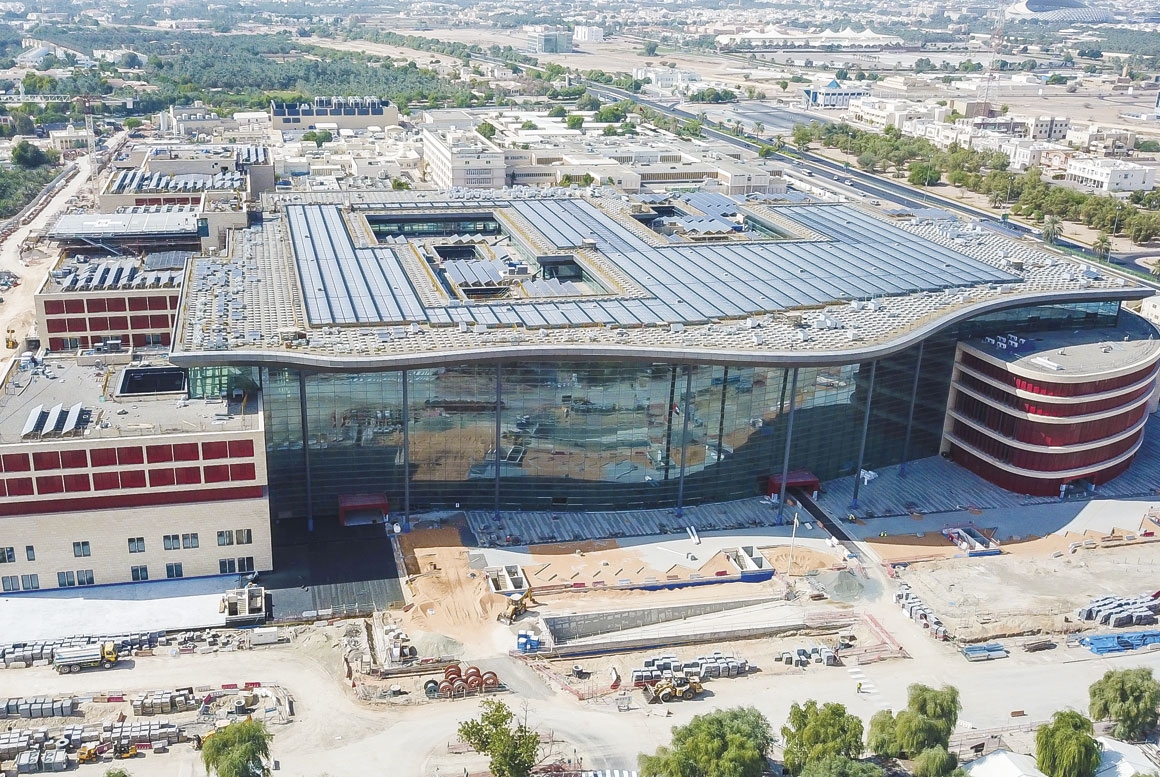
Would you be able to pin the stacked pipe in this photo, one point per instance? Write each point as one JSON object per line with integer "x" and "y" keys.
{"x": 460, "y": 681}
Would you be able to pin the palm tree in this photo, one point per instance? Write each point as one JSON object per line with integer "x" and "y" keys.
{"x": 1052, "y": 229}
{"x": 996, "y": 198}
{"x": 1102, "y": 246}
{"x": 758, "y": 128}
{"x": 1156, "y": 268}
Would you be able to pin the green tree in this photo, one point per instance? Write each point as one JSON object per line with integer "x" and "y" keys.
{"x": 929, "y": 718}
{"x": 840, "y": 766}
{"x": 574, "y": 122}
{"x": 238, "y": 750}
{"x": 1065, "y": 746}
{"x": 24, "y": 154}
{"x": 487, "y": 129}
{"x": 317, "y": 136}
{"x": 133, "y": 123}
{"x": 558, "y": 112}
{"x": 802, "y": 137}
{"x": 1102, "y": 246}
{"x": 924, "y": 174}
{"x": 783, "y": 84}
{"x": 881, "y": 737}
{"x": 650, "y": 48}
{"x": 1052, "y": 229}
{"x": 118, "y": 772}
{"x": 1127, "y": 696}
{"x": 130, "y": 60}
{"x": 725, "y": 743}
{"x": 812, "y": 733}
{"x": 935, "y": 762}
{"x": 529, "y": 125}
{"x": 512, "y": 747}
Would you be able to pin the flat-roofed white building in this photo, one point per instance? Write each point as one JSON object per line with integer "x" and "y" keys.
{"x": 1110, "y": 175}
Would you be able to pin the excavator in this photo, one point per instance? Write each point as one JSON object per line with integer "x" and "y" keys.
{"x": 517, "y": 605}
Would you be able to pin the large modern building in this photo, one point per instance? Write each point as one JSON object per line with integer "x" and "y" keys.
{"x": 580, "y": 353}
{"x": 557, "y": 351}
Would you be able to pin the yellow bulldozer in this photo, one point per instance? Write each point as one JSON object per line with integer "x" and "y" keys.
{"x": 517, "y": 605}
{"x": 671, "y": 689}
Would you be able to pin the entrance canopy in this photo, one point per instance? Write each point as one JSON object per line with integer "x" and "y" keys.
{"x": 798, "y": 478}
{"x": 362, "y": 509}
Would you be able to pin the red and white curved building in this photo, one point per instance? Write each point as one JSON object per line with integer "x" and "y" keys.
{"x": 1039, "y": 414}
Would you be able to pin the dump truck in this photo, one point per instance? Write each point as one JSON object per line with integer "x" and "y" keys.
{"x": 517, "y": 605}
{"x": 669, "y": 689}
{"x": 75, "y": 659}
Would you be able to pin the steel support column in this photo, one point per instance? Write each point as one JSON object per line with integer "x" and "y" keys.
{"x": 685, "y": 439}
{"x": 306, "y": 450}
{"x": 788, "y": 442}
{"x": 910, "y": 413}
{"x": 498, "y": 431}
{"x": 865, "y": 431}
{"x": 406, "y": 450}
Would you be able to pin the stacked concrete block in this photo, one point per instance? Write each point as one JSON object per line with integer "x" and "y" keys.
{"x": 163, "y": 703}
{"x": 139, "y": 732}
{"x": 12, "y": 743}
{"x": 38, "y": 707}
{"x": 712, "y": 666}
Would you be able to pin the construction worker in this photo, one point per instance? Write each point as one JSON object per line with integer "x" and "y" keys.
{"x": 859, "y": 687}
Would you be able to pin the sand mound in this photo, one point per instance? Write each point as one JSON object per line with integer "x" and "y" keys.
{"x": 433, "y": 645}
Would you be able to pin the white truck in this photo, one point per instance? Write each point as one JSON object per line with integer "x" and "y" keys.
{"x": 75, "y": 659}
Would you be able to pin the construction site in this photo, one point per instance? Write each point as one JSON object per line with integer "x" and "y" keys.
{"x": 629, "y": 635}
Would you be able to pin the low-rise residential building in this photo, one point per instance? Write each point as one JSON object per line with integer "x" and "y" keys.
{"x": 881, "y": 113}
{"x": 1101, "y": 139}
{"x": 587, "y": 34}
{"x": 1110, "y": 175}
{"x": 666, "y": 77}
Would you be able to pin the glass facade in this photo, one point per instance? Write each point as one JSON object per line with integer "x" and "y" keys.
{"x": 564, "y": 436}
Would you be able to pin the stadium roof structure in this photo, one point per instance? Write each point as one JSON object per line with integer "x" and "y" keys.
{"x": 350, "y": 285}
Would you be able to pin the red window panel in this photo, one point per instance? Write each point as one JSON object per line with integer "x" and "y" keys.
{"x": 217, "y": 473}
{"x": 161, "y": 477}
{"x": 188, "y": 476}
{"x": 49, "y": 484}
{"x": 3, "y": 488}
{"x": 42, "y": 460}
{"x": 159, "y": 322}
{"x": 138, "y": 340}
{"x": 74, "y": 306}
{"x": 186, "y": 451}
{"x": 118, "y": 323}
{"x": 240, "y": 449}
{"x": 242, "y": 472}
{"x": 54, "y": 307}
{"x": 106, "y": 481}
{"x": 15, "y": 462}
{"x": 166, "y": 340}
{"x": 158, "y": 453}
{"x": 76, "y": 324}
{"x": 139, "y": 322}
{"x": 116, "y": 304}
{"x": 138, "y": 303}
{"x": 133, "y": 478}
{"x": 103, "y": 457}
{"x": 55, "y": 344}
{"x": 214, "y": 450}
{"x": 76, "y": 482}
{"x": 98, "y": 324}
{"x": 173, "y": 302}
{"x": 159, "y": 303}
{"x": 96, "y": 305}
{"x": 56, "y": 325}
{"x": 20, "y": 487}
{"x": 130, "y": 456}
{"x": 74, "y": 459}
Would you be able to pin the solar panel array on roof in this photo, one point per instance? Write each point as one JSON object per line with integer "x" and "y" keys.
{"x": 167, "y": 260}
{"x": 863, "y": 258}
{"x": 345, "y": 285}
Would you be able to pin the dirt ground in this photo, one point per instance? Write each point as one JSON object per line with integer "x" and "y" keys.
{"x": 1027, "y": 592}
